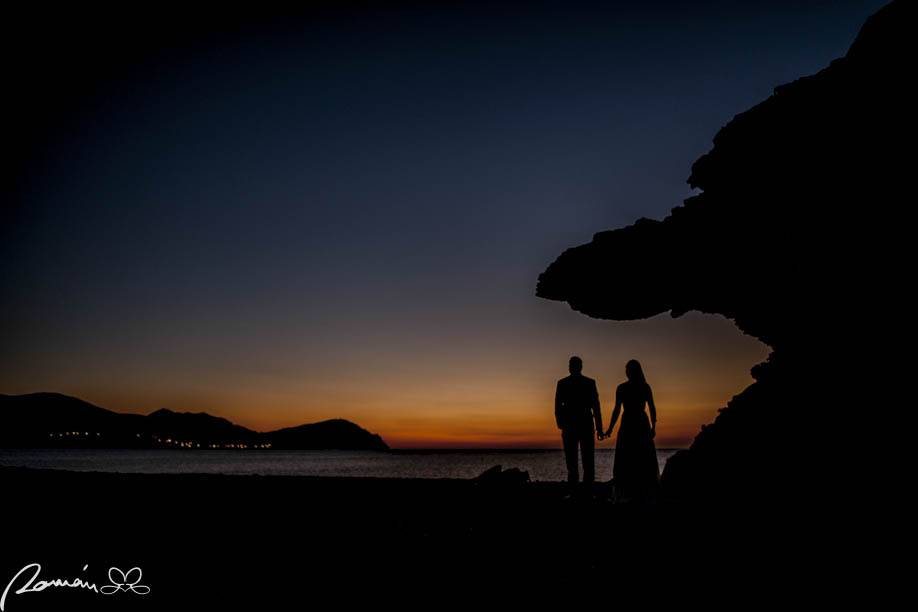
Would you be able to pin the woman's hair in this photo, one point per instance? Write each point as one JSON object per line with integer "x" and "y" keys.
{"x": 634, "y": 372}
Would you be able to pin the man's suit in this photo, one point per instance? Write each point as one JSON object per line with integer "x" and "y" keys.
{"x": 576, "y": 413}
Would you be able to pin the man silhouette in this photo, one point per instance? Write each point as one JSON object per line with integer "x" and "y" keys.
{"x": 576, "y": 412}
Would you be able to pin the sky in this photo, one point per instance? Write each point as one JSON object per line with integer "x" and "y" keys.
{"x": 343, "y": 212}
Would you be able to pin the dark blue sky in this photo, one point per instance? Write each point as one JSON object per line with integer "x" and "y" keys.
{"x": 344, "y": 212}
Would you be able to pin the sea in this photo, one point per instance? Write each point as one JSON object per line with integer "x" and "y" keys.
{"x": 542, "y": 465}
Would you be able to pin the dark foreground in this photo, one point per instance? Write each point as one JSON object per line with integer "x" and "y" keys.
{"x": 207, "y": 541}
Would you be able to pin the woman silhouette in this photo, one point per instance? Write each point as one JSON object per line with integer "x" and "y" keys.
{"x": 635, "y": 473}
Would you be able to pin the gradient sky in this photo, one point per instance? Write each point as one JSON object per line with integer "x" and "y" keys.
{"x": 343, "y": 212}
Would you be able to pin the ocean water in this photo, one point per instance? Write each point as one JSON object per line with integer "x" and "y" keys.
{"x": 543, "y": 465}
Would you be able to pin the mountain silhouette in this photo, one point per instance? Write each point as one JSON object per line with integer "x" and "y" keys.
{"x": 797, "y": 235}
{"x": 197, "y": 426}
{"x": 52, "y": 420}
{"x": 334, "y": 433}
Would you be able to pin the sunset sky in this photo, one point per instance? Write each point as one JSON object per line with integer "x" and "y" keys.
{"x": 343, "y": 212}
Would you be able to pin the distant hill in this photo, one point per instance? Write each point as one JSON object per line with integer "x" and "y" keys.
{"x": 336, "y": 433}
{"x": 55, "y": 420}
{"x": 198, "y": 426}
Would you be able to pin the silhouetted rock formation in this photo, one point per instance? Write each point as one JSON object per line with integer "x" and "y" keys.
{"x": 496, "y": 476}
{"x": 55, "y": 420}
{"x": 796, "y": 236}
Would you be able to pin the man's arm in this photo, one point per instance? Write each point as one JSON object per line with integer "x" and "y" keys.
{"x": 597, "y": 411}
{"x": 558, "y": 405}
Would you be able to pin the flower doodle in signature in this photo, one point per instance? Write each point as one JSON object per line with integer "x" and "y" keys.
{"x": 119, "y": 581}
{"x": 122, "y": 582}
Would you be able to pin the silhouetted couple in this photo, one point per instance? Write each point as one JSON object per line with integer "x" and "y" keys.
{"x": 635, "y": 472}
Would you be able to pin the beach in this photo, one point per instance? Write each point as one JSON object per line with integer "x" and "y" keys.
{"x": 202, "y": 540}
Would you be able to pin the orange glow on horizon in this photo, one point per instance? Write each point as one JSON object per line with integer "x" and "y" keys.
{"x": 477, "y": 396}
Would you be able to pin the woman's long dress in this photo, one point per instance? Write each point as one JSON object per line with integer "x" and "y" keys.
{"x": 635, "y": 472}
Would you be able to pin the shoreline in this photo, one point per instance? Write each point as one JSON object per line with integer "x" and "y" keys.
{"x": 541, "y": 466}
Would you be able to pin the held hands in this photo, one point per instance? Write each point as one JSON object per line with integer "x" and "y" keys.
{"x": 601, "y": 435}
